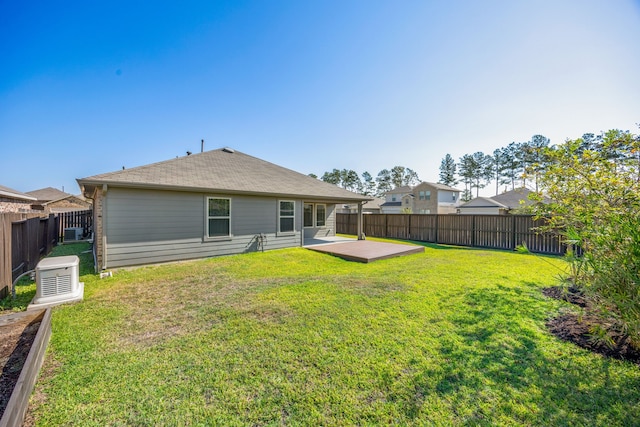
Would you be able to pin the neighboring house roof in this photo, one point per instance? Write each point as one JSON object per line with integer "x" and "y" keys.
{"x": 507, "y": 200}
{"x": 400, "y": 190}
{"x": 48, "y": 194}
{"x": 10, "y": 193}
{"x": 373, "y": 204}
{"x": 483, "y": 202}
{"x": 369, "y": 205}
{"x": 223, "y": 170}
{"x": 408, "y": 189}
{"x": 512, "y": 198}
{"x": 443, "y": 187}
{"x": 389, "y": 204}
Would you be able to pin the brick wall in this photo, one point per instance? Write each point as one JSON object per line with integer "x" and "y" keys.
{"x": 15, "y": 206}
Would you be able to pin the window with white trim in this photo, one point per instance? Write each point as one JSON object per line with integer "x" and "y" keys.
{"x": 286, "y": 216}
{"x": 321, "y": 215}
{"x": 308, "y": 215}
{"x": 218, "y": 217}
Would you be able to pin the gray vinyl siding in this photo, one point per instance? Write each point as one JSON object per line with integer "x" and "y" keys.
{"x": 329, "y": 228}
{"x": 152, "y": 226}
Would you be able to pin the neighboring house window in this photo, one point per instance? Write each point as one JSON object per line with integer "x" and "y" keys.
{"x": 218, "y": 217}
{"x": 421, "y": 195}
{"x": 425, "y": 211}
{"x": 321, "y": 215}
{"x": 308, "y": 214}
{"x": 406, "y": 201}
{"x": 287, "y": 215}
{"x": 393, "y": 198}
{"x": 427, "y": 195}
{"x": 454, "y": 196}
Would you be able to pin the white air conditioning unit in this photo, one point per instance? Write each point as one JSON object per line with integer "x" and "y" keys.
{"x": 57, "y": 281}
{"x": 72, "y": 233}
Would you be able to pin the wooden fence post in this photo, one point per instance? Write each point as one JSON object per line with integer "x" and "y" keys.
{"x": 5, "y": 255}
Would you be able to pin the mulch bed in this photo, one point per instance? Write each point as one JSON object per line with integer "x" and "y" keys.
{"x": 574, "y": 328}
{"x": 16, "y": 339}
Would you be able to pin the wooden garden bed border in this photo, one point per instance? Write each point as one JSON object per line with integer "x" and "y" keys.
{"x": 18, "y": 403}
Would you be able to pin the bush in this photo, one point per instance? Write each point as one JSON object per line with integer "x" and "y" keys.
{"x": 594, "y": 185}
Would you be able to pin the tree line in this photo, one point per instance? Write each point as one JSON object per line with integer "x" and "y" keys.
{"x": 385, "y": 180}
{"x": 519, "y": 164}
{"x": 516, "y": 165}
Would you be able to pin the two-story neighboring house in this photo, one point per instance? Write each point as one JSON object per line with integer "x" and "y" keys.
{"x": 424, "y": 198}
{"x": 396, "y": 200}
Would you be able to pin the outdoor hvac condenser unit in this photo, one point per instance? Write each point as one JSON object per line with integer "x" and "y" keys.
{"x": 72, "y": 233}
{"x": 57, "y": 281}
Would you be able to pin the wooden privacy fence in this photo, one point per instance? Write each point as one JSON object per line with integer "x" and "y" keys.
{"x": 82, "y": 219}
{"x": 483, "y": 231}
{"x": 24, "y": 239}
{"x": 27, "y": 237}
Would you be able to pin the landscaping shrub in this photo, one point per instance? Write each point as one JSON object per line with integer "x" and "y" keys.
{"x": 594, "y": 185}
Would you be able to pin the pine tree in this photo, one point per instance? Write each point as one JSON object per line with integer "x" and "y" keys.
{"x": 448, "y": 171}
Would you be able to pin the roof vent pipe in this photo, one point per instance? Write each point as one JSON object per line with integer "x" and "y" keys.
{"x": 202, "y": 145}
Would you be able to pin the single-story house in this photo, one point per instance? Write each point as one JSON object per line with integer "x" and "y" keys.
{"x": 14, "y": 201}
{"x": 369, "y": 207}
{"x": 509, "y": 202}
{"x": 52, "y": 200}
{"x": 483, "y": 206}
{"x": 217, "y": 202}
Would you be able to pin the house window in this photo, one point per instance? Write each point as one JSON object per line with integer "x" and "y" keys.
{"x": 393, "y": 198}
{"x": 427, "y": 195}
{"x": 406, "y": 201}
{"x": 321, "y": 215}
{"x": 218, "y": 217}
{"x": 308, "y": 214}
{"x": 454, "y": 196}
{"x": 422, "y": 196}
{"x": 286, "y": 216}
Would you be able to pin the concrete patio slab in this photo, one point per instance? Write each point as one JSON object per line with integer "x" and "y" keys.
{"x": 365, "y": 250}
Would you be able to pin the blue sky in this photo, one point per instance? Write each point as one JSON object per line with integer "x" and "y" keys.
{"x": 90, "y": 87}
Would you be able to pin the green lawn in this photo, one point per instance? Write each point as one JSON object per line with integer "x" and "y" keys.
{"x": 292, "y": 337}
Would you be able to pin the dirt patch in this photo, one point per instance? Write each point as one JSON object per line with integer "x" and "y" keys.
{"x": 16, "y": 338}
{"x": 577, "y": 328}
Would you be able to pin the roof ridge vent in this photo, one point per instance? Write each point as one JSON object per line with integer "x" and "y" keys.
{"x": 228, "y": 150}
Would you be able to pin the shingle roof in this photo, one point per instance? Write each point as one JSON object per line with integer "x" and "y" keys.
{"x": 483, "y": 202}
{"x": 403, "y": 189}
{"x": 222, "y": 170}
{"x": 443, "y": 187}
{"x": 512, "y": 198}
{"x": 48, "y": 194}
{"x": 408, "y": 189}
{"x": 14, "y": 194}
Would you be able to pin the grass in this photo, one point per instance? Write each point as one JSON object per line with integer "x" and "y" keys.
{"x": 292, "y": 337}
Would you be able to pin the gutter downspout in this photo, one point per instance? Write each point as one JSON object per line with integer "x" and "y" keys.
{"x": 104, "y": 226}
{"x": 361, "y": 235}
